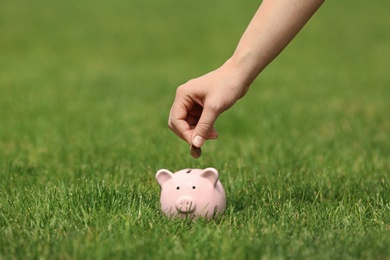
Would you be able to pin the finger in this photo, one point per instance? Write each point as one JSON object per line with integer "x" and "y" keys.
{"x": 194, "y": 115}
{"x": 193, "y": 121}
{"x": 205, "y": 127}
{"x": 213, "y": 134}
{"x": 177, "y": 122}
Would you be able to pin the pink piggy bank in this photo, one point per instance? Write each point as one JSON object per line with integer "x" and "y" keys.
{"x": 191, "y": 193}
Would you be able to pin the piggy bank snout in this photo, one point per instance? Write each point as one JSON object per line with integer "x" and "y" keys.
{"x": 185, "y": 204}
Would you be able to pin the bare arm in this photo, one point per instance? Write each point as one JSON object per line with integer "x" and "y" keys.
{"x": 274, "y": 25}
{"x": 200, "y": 101}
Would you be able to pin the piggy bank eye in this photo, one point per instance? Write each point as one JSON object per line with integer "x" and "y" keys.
{"x": 178, "y": 187}
{"x": 193, "y": 187}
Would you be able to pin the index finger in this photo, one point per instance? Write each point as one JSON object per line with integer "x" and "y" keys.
{"x": 177, "y": 121}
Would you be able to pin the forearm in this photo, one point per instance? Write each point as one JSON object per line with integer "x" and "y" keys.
{"x": 274, "y": 25}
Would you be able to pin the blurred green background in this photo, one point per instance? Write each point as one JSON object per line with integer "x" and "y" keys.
{"x": 86, "y": 88}
{"x": 103, "y": 74}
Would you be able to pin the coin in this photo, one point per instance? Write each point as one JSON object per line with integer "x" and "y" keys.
{"x": 196, "y": 152}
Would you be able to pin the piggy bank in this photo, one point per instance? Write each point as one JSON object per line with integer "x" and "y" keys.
{"x": 191, "y": 193}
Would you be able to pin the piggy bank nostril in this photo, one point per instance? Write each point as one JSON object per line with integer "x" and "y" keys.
{"x": 185, "y": 205}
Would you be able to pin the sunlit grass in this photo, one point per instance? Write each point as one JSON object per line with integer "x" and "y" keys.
{"x": 85, "y": 92}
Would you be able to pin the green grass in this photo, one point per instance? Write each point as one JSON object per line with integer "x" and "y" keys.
{"x": 85, "y": 91}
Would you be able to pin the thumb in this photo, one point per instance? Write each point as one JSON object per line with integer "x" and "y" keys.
{"x": 204, "y": 127}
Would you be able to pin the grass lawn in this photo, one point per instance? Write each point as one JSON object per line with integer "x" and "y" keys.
{"x": 85, "y": 92}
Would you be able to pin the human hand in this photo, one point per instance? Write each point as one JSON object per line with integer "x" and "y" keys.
{"x": 199, "y": 102}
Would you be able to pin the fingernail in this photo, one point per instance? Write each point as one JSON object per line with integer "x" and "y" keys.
{"x": 197, "y": 141}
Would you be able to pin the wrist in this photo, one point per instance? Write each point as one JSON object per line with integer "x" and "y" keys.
{"x": 244, "y": 73}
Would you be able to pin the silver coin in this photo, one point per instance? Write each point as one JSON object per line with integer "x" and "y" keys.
{"x": 196, "y": 152}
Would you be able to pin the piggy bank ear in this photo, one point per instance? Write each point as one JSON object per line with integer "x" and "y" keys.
{"x": 163, "y": 176}
{"x": 210, "y": 174}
